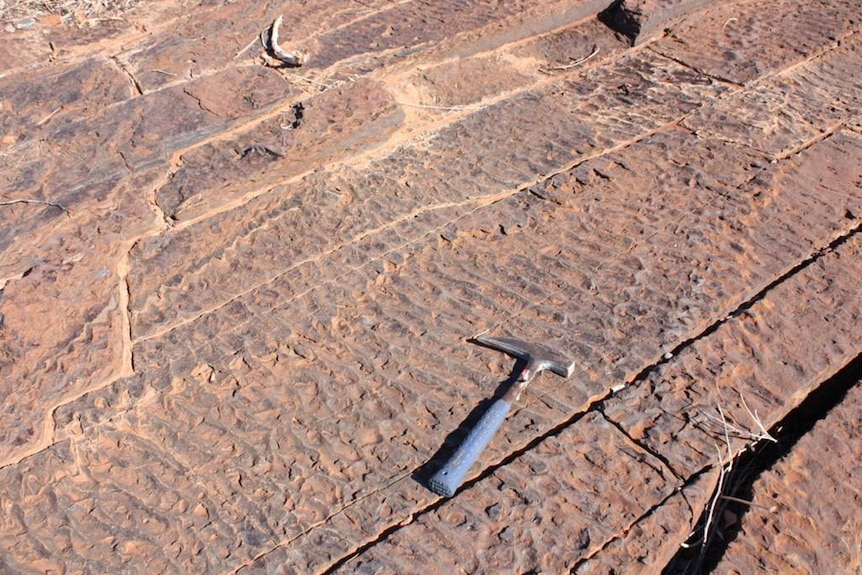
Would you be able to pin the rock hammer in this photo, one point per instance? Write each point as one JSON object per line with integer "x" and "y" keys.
{"x": 537, "y": 358}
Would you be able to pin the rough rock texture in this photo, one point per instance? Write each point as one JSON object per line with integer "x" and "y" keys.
{"x": 805, "y": 517}
{"x": 540, "y": 512}
{"x": 234, "y": 299}
{"x": 641, "y": 20}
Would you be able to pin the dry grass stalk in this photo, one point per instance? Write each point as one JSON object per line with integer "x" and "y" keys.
{"x": 443, "y": 108}
{"x": 741, "y": 501}
{"x": 573, "y": 63}
{"x": 738, "y": 431}
{"x": 726, "y": 470}
{"x": 763, "y": 433}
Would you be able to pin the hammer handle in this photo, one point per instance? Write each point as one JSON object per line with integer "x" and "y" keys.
{"x": 447, "y": 480}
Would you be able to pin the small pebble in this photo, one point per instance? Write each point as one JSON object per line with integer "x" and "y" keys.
{"x": 25, "y": 24}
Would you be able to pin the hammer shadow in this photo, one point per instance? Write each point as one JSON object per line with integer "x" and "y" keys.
{"x": 424, "y": 472}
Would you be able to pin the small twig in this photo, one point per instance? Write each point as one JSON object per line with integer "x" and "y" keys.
{"x": 244, "y": 50}
{"x": 480, "y": 334}
{"x": 726, "y": 436}
{"x": 23, "y": 201}
{"x": 726, "y": 471}
{"x": 26, "y": 201}
{"x": 742, "y": 433}
{"x": 294, "y": 77}
{"x": 722, "y": 476}
{"x": 729, "y": 20}
{"x": 746, "y": 502}
{"x": 736, "y": 431}
{"x": 49, "y": 116}
{"x": 710, "y": 515}
{"x": 574, "y": 63}
{"x": 448, "y": 108}
{"x": 764, "y": 434}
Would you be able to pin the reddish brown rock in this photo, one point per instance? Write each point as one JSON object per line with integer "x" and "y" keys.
{"x": 543, "y": 511}
{"x": 560, "y": 50}
{"x": 201, "y": 41}
{"x": 650, "y": 544}
{"x": 749, "y": 368}
{"x": 787, "y": 112}
{"x": 64, "y": 327}
{"x": 404, "y": 27}
{"x": 65, "y": 95}
{"x": 215, "y": 36}
{"x": 21, "y": 49}
{"x": 191, "y": 112}
{"x": 352, "y": 118}
{"x": 804, "y": 514}
{"x": 743, "y": 41}
{"x": 642, "y": 20}
{"x": 348, "y": 365}
{"x": 76, "y": 241}
{"x": 133, "y": 135}
{"x": 210, "y": 366}
{"x": 342, "y": 212}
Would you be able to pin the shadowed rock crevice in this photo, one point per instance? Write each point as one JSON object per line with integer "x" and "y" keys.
{"x": 751, "y": 464}
{"x": 622, "y": 20}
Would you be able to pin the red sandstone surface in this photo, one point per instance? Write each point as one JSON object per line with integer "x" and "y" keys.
{"x": 233, "y": 329}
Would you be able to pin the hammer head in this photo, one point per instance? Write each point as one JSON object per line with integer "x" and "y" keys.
{"x": 537, "y": 356}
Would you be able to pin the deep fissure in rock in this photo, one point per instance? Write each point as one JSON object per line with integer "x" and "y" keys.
{"x": 751, "y": 464}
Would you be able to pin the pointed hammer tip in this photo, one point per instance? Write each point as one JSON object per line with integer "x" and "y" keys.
{"x": 567, "y": 370}
{"x": 547, "y": 357}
